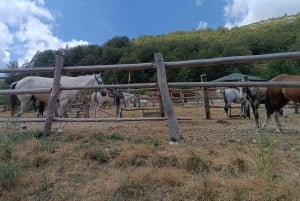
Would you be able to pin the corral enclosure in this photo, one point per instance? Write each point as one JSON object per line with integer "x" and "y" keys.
{"x": 216, "y": 159}
{"x": 166, "y": 104}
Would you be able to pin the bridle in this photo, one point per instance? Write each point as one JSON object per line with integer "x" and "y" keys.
{"x": 97, "y": 80}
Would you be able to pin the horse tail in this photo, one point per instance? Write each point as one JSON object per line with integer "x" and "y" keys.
{"x": 225, "y": 98}
{"x": 34, "y": 102}
{"x": 225, "y": 101}
{"x": 13, "y": 100}
{"x": 41, "y": 108}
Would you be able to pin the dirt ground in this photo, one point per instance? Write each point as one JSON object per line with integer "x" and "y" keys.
{"x": 194, "y": 127}
{"x": 217, "y": 130}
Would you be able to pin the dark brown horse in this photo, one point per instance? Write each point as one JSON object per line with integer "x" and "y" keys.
{"x": 280, "y": 96}
{"x": 257, "y": 96}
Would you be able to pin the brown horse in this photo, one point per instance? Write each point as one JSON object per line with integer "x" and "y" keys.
{"x": 257, "y": 96}
{"x": 280, "y": 96}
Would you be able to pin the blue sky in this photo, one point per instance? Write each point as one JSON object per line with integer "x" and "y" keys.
{"x": 28, "y": 26}
{"x": 104, "y": 19}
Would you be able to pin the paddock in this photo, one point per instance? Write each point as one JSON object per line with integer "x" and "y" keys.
{"x": 216, "y": 157}
{"x": 166, "y": 105}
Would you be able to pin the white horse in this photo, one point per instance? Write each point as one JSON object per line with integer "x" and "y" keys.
{"x": 112, "y": 97}
{"x": 65, "y": 96}
{"x": 233, "y": 95}
{"x": 130, "y": 98}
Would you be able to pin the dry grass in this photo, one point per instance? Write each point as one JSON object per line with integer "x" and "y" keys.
{"x": 216, "y": 159}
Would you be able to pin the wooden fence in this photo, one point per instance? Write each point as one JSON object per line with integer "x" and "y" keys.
{"x": 162, "y": 83}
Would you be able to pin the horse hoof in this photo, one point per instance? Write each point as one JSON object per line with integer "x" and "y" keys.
{"x": 173, "y": 143}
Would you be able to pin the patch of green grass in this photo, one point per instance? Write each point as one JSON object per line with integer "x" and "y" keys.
{"x": 115, "y": 152}
{"x": 264, "y": 155}
{"x": 5, "y": 148}
{"x": 148, "y": 141}
{"x": 45, "y": 144}
{"x": 100, "y": 156}
{"x": 197, "y": 165}
{"x": 115, "y": 137}
{"x": 102, "y": 139}
{"x": 8, "y": 175}
{"x": 156, "y": 142}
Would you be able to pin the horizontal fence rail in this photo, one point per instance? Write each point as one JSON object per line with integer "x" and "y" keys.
{"x": 152, "y": 85}
{"x": 56, "y": 119}
{"x": 175, "y": 64}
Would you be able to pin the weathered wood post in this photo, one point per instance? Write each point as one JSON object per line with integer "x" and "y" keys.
{"x": 181, "y": 98}
{"x": 52, "y": 104}
{"x": 206, "y": 98}
{"x": 164, "y": 92}
{"x": 161, "y": 105}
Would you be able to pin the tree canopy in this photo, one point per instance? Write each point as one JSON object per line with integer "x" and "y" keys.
{"x": 269, "y": 36}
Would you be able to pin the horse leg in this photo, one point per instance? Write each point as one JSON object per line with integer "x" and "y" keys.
{"x": 256, "y": 116}
{"x": 24, "y": 102}
{"x": 280, "y": 113}
{"x": 118, "y": 111}
{"x": 277, "y": 122}
{"x": 96, "y": 109}
{"x": 248, "y": 110}
{"x": 226, "y": 108}
{"x": 242, "y": 112}
{"x": 62, "y": 112}
{"x": 120, "y": 102}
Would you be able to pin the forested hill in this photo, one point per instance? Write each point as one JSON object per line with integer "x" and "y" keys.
{"x": 268, "y": 36}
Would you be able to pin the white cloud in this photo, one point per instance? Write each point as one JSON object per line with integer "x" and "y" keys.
{"x": 26, "y": 27}
{"x": 243, "y": 12}
{"x": 202, "y": 25}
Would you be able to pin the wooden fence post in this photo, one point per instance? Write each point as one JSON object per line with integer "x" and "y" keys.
{"x": 164, "y": 92}
{"x": 52, "y": 104}
{"x": 161, "y": 105}
{"x": 206, "y": 98}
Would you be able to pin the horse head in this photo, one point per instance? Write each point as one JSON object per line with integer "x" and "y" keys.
{"x": 98, "y": 79}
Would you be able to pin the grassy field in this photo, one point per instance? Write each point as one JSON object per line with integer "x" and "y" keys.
{"x": 217, "y": 159}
